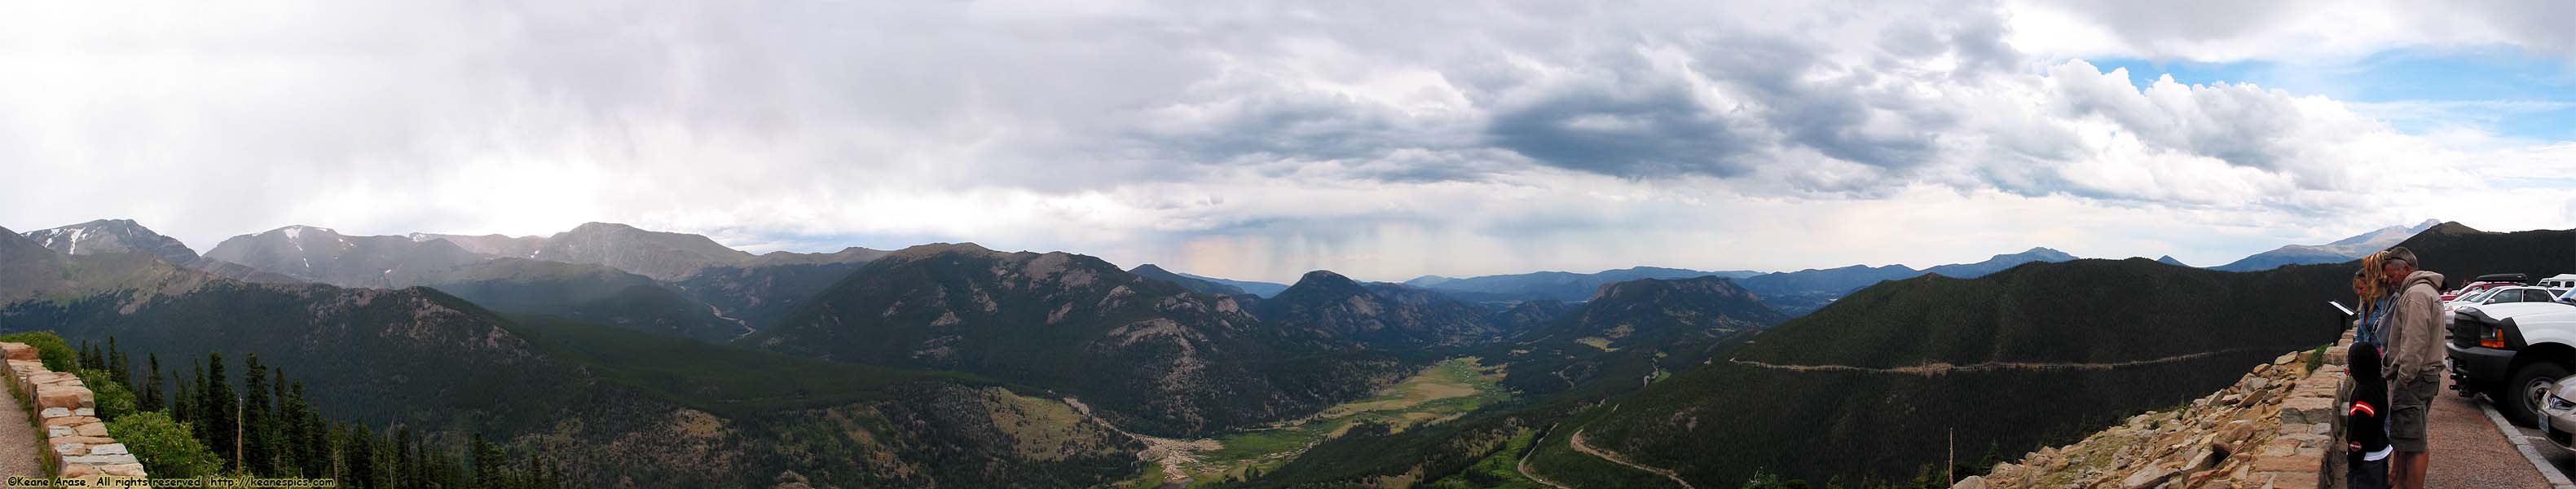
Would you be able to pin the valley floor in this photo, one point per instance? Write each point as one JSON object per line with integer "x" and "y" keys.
{"x": 1438, "y": 393}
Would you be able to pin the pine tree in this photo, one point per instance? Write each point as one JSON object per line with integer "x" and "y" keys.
{"x": 317, "y": 434}
{"x": 151, "y": 395}
{"x": 116, "y": 366}
{"x": 257, "y": 454}
{"x": 194, "y": 395}
{"x": 406, "y": 460}
{"x": 359, "y": 457}
{"x": 487, "y": 462}
{"x": 217, "y": 410}
{"x": 89, "y": 355}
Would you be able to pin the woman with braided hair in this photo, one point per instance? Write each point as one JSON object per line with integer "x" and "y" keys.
{"x": 2370, "y": 284}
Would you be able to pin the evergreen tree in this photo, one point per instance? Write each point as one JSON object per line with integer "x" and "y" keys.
{"x": 487, "y": 463}
{"x": 218, "y": 412}
{"x": 257, "y": 455}
{"x": 195, "y": 397}
{"x": 116, "y": 365}
{"x": 151, "y": 396}
{"x": 406, "y": 460}
{"x": 317, "y": 433}
{"x": 89, "y": 355}
{"x": 359, "y": 459}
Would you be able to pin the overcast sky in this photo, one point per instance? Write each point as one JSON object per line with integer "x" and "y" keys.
{"x": 1247, "y": 140}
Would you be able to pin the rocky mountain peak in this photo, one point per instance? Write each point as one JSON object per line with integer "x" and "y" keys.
{"x": 112, "y": 236}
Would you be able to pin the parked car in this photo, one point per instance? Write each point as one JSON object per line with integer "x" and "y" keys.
{"x": 2559, "y": 415}
{"x": 2475, "y": 287}
{"x": 2515, "y": 353}
{"x": 2559, "y": 281}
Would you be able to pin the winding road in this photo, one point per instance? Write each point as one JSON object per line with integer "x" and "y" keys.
{"x": 1533, "y": 450}
{"x": 1613, "y": 457}
{"x": 1931, "y": 369}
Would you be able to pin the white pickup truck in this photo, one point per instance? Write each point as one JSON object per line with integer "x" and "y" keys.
{"x": 2514, "y": 353}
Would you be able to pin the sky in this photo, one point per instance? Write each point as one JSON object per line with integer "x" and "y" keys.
{"x": 1259, "y": 140}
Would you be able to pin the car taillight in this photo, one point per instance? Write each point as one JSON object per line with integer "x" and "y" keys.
{"x": 2493, "y": 338}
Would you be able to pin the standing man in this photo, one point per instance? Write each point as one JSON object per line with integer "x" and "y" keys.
{"x": 2414, "y": 366}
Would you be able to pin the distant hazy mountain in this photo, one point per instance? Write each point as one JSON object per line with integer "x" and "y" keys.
{"x": 1803, "y": 291}
{"x": 1557, "y": 286}
{"x": 2339, "y": 251}
{"x": 2169, "y": 260}
{"x": 1262, "y": 289}
{"x": 106, "y": 236}
{"x": 583, "y": 291}
{"x": 661, "y": 255}
{"x": 112, "y": 236}
{"x": 326, "y": 256}
{"x": 2000, "y": 262}
{"x": 1194, "y": 285}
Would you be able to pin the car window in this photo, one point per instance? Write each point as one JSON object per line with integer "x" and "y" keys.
{"x": 2481, "y": 294}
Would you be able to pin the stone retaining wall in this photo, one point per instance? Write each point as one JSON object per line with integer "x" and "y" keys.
{"x": 66, "y": 410}
{"x": 2278, "y": 427}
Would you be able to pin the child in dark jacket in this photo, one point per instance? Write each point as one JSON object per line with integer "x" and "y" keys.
{"x": 2365, "y": 423}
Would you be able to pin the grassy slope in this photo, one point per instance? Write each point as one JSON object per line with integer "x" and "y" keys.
{"x": 720, "y": 379}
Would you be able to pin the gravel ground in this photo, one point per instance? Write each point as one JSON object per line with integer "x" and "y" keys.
{"x": 2469, "y": 452}
{"x": 17, "y": 441}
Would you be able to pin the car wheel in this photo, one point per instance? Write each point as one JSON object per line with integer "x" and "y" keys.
{"x": 2529, "y": 389}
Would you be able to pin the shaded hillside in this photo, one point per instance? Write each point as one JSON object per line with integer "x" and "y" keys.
{"x": 1383, "y": 316}
{"x": 584, "y": 292}
{"x": 600, "y": 401}
{"x": 1632, "y": 330}
{"x": 1151, "y": 356}
{"x": 1194, "y": 285}
{"x": 757, "y": 296}
{"x": 2461, "y": 253}
{"x": 2187, "y": 331}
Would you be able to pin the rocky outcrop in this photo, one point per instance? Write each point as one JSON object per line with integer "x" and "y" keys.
{"x": 68, "y": 413}
{"x": 2277, "y": 427}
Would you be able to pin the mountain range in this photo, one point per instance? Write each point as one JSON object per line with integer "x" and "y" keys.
{"x": 612, "y": 407}
{"x": 635, "y": 355}
{"x": 1799, "y": 292}
{"x": 1557, "y": 286}
{"x": 2339, "y": 251}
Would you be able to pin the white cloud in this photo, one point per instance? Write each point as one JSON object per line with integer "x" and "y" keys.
{"x": 1251, "y": 140}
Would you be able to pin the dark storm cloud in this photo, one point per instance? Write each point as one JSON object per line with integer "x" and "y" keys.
{"x": 1651, "y": 133}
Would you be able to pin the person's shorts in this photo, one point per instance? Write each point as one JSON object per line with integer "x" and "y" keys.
{"x": 2368, "y": 474}
{"x": 2408, "y": 404}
